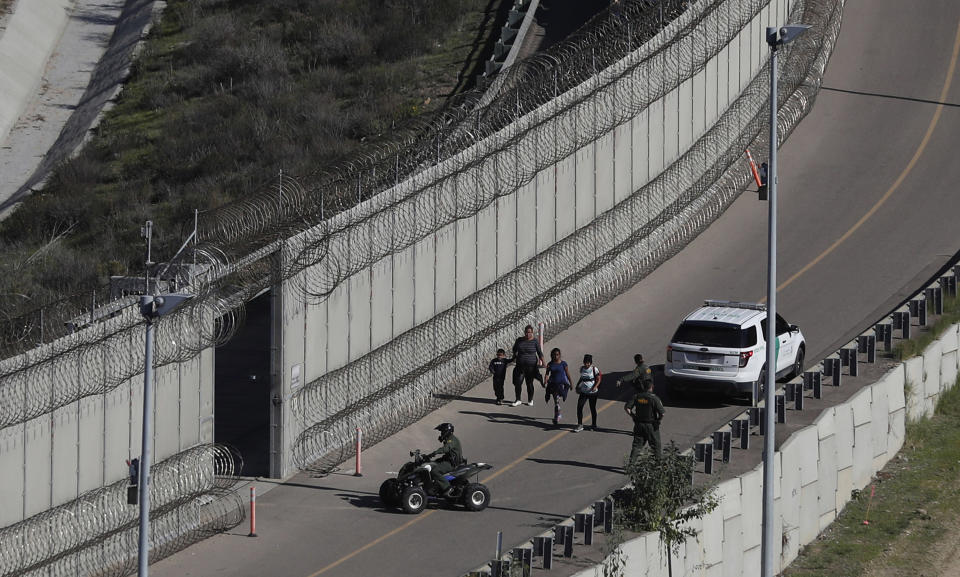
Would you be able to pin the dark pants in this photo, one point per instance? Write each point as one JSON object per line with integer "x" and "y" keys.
{"x": 528, "y": 373}
{"x": 498, "y": 388}
{"x": 437, "y": 471}
{"x": 593, "y": 408}
{"x": 644, "y": 433}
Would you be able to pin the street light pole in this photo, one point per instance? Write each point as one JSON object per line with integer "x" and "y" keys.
{"x": 775, "y": 39}
{"x": 143, "y": 549}
{"x": 151, "y": 307}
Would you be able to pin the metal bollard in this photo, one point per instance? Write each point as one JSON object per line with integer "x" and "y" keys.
{"x": 744, "y": 434}
{"x": 831, "y": 366}
{"x": 852, "y": 360}
{"x": 798, "y": 397}
{"x": 727, "y": 438}
{"x": 781, "y": 409}
{"x": 523, "y": 558}
{"x": 578, "y": 522}
{"x": 588, "y": 529}
{"x": 753, "y": 414}
{"x": 762, "y": 420}
{"x": 547, "y": 553}
{"x": 934, "y": 297}
{"x": 608, "y": 516}
{"x": 700, "y": 450}
{"x": 901, "y": 320}
{"x": 789, "y": 392}
{"x": 884, "y": 334}
{"x": 913, "y": 305}
{"x": 500, "y": 568}
{"x": 868, "y": 344}
{"x": 568, "y": 541}
{"x": 948, "y": 283}
{"x": 922, "y": 312}
{"x": 600, "y": 510}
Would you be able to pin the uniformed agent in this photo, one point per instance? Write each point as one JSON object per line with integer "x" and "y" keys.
{"x": 647, "y": 411}
{"x": 639, "y": 376}
{"x": 451, "y": 456}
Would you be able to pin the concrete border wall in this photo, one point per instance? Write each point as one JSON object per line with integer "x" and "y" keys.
{"x": 84, "y": 445}
{"x": 817, "y": 468}
{"x": 629, "y": 179}
{"x": 25, "y": 46}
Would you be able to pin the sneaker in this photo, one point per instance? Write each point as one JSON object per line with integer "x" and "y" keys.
{"x": 515, "y": 403}
{"x": 499, "y": 402}
{"x": 578, "y": 429}
{"x": 528, "y": 403}
{"x": 594, "y": 428}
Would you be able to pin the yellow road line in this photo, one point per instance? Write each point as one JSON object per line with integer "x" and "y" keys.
{"x": 903, "y": 174}
{"x": 376, "y": 541}
{"x": 811, "y": 264}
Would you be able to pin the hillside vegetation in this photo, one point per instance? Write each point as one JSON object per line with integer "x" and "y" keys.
{"x": 225, "y": 94}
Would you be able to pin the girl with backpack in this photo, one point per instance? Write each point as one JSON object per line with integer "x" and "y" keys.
{"x": 588, "y": 389}
{"x": 558, "y": 382}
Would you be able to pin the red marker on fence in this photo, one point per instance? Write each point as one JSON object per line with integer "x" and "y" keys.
{"x": 359, "y": 472}
{"x": 253, "y": 512}
{"x": 753, "y": 169}
{"x": 866, "y": 517}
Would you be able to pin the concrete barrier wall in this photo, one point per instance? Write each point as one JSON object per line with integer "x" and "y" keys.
{"x": 52, "y": 459}
{"x": 403, "y": 291}
{"x": 31, "y": 35}
{"x": 816, "y": 469}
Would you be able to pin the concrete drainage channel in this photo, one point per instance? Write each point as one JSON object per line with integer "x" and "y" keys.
{"x": 853, "y": 361}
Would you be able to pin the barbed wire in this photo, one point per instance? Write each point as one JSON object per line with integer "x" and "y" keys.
{"x": 444, "y": 356}
{"x": 475, "y": 162}
{"x": 97, "y": 533}
{"x": 92, "y": 353}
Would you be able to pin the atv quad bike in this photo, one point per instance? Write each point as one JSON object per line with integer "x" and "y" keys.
{"x": 413, "y": 488}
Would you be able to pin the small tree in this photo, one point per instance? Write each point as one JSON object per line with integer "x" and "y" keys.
{"x": 662, "y": 498}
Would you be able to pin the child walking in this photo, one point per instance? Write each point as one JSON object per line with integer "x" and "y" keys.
{"x": 498, "y": 367}
{"x": 588, "y": 389}
{"x": 558, "y": 382}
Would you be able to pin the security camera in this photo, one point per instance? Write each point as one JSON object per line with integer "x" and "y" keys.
{"x": 791, "y": 32}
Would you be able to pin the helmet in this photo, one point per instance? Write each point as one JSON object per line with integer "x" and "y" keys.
{"x": 446, "y": 429}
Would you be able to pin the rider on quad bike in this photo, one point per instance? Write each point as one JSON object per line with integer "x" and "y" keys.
{"x": 451, "y": 456}
{"x": 448, "y": 478}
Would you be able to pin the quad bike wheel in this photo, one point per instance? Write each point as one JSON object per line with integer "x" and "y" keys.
{"x": 413, "y": 500}
{"x": 390, "y": 493}
{"x": 476, "y": 497}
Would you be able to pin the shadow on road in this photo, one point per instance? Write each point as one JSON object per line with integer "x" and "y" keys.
{"x": 578, "y": 464}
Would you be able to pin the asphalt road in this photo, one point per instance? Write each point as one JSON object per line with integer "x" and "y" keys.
{"x": 867, "y": 209}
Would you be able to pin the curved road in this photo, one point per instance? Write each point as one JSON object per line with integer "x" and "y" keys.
{"x": 866, "y": 203}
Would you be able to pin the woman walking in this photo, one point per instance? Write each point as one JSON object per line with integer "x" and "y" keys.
{"x": 588, "y": 389}
{"x": 558, "y": 382}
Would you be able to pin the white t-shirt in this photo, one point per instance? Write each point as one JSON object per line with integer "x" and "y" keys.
{"x": 588, "y": 376}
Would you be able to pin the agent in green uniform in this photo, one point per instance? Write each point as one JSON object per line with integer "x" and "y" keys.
{"x": 451, "y": 457}
{"x": 647, "y": 411}
{"x": 639, "y": 376}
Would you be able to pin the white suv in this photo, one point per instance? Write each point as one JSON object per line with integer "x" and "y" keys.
{"x": 721, "y": 347}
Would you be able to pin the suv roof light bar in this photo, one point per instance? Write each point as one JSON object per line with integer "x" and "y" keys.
{"x": 734, "y": 305}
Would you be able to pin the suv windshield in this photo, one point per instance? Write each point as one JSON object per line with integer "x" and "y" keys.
{"x": 707, "y": 334}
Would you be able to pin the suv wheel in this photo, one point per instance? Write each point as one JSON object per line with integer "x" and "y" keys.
{"x": 761, "y": 386}
{"x": 798, "y": 364}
